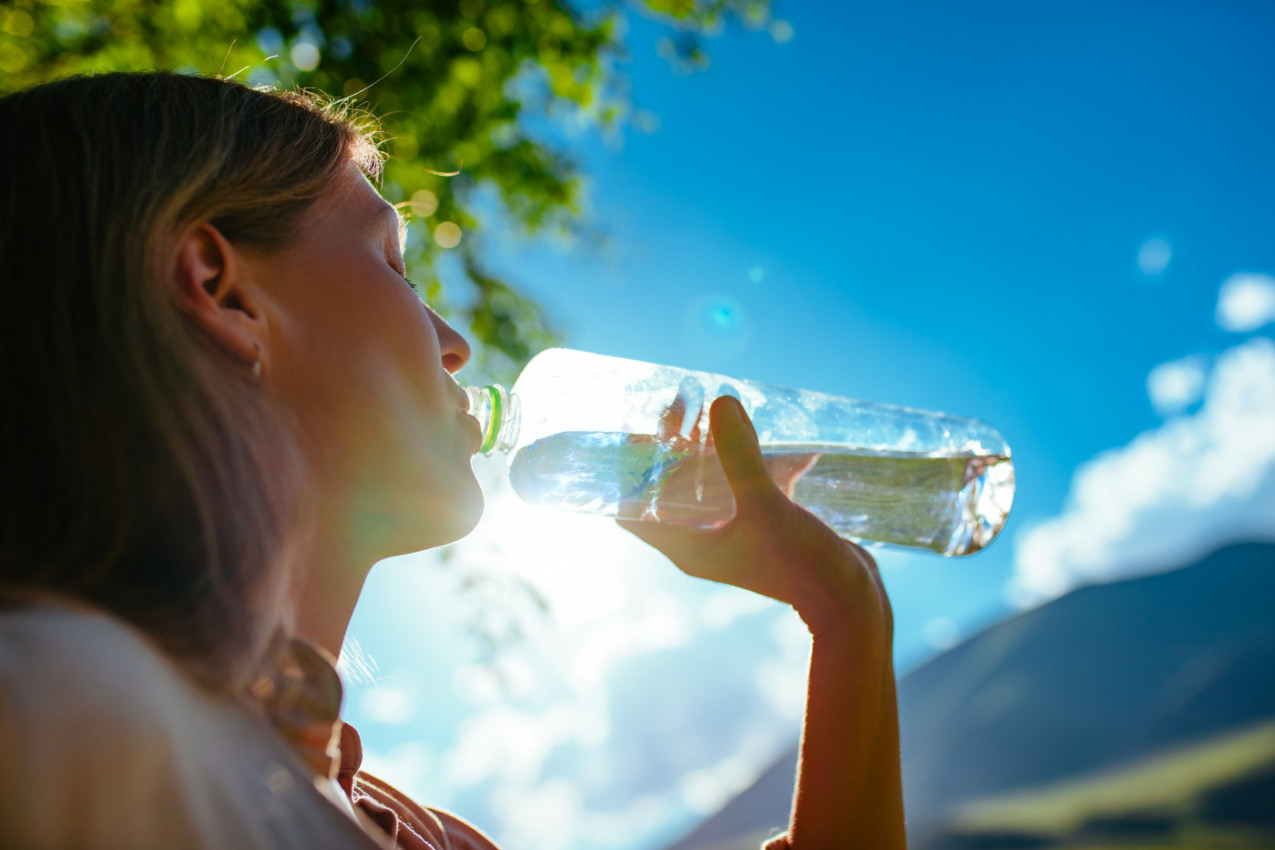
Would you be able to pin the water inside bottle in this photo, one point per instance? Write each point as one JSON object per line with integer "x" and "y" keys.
{"x": 950, "y": 504}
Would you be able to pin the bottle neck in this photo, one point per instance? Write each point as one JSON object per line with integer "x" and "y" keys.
{"x": 498, "y": 411}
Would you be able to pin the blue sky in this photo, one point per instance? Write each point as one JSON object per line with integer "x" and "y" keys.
{"x": 1018, "y": 212}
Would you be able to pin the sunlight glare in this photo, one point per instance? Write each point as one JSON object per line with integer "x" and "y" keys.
{"x": 1154, "y": 256}
{"x": 305, "y": 56}
{"x": 447, "y": 234}
{"x": 424, "y": 203}
{"x": 717, "y": 325}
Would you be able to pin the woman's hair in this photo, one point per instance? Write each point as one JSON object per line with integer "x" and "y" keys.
{"x": 142, "y": 468}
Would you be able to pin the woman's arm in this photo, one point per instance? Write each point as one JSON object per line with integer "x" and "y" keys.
{"x": 848, "y": 785}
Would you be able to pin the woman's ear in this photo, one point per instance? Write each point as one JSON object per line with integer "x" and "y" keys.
{"x": 212, "y": 287}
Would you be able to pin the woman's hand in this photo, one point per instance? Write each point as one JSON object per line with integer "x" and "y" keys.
{"x": 773, "y": 546}
{"x": 849, "y": 791}
{"x": 689, "y": 486}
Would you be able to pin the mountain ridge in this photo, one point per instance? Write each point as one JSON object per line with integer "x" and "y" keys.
{"x": 1101, "y": 677}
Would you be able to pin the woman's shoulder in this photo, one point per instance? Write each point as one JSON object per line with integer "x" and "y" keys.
{"x": 83, "y": 693}
{"x": 73, "y": 670}
{"x": 104, "y": 742}
{"x": 83, "y": 702}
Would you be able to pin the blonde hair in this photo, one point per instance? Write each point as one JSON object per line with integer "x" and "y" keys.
{"x": 144, "y": 470}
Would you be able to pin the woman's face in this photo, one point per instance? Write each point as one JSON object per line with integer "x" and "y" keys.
{"x": 366, "y": 367}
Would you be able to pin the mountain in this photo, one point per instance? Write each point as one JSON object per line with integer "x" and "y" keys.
{"x": 1219, "y": 792}
{"x": 1127, "y": 683}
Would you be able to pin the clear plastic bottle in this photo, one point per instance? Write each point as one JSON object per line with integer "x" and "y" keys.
{"x": 621, "y": 438}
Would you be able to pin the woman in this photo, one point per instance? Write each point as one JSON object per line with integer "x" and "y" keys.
{"x": 222, "y": 402}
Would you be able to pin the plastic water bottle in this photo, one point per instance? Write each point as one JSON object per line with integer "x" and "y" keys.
{"x": 621, "y": 438}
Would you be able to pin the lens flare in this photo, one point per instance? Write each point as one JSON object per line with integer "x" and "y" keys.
{"x": 447, "y": 235}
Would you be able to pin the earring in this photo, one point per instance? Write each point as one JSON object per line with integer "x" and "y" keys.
{"x": 256, "y": 364}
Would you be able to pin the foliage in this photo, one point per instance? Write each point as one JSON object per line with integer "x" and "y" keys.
{"x": 475, "y": 86}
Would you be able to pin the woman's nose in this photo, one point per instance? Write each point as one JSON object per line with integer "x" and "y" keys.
{"x": 454, "y": 347}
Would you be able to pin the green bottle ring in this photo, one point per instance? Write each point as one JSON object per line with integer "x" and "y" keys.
{"x": 493, "y": 423}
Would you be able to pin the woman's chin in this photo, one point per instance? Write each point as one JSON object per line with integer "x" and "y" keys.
{"x": 465, "y": 524}
{"x": 453, "y": 518}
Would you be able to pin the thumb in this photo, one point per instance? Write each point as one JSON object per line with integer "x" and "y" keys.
{"x": 739, "y": 451}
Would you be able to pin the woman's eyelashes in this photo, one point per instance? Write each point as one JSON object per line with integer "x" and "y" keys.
{"x": 414, "y": 286}
{"x": 402, "y": 272}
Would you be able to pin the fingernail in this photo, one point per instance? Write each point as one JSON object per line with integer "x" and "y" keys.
{"x": 729, "y": 414}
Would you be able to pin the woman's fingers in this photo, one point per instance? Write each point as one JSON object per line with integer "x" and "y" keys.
{"x": 739, "y": 453}
{"x": 672, "y": 417}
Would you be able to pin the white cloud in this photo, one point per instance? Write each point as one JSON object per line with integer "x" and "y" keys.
{"x": 554, "y": 815}
{"x": 642, "y": 815}
{"x": 509, "y": 676}
{"x": 1245, "y": 302}
{"x": 503, "y": 742}
{"x": 942, "y": 633}
{"x": 704, "y": 791}
{"x": 726, "y": 605}
{"x": 1176, "y": 385}
{"x": 781, "y": 679}
{"x": 389, "y": 703}
{"x": 661, "y": 622}
{"x": 542, "y": 816}
{"x": 1171, "y": 495}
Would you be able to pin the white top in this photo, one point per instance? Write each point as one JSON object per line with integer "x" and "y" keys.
{"x": 104, "y": 743}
